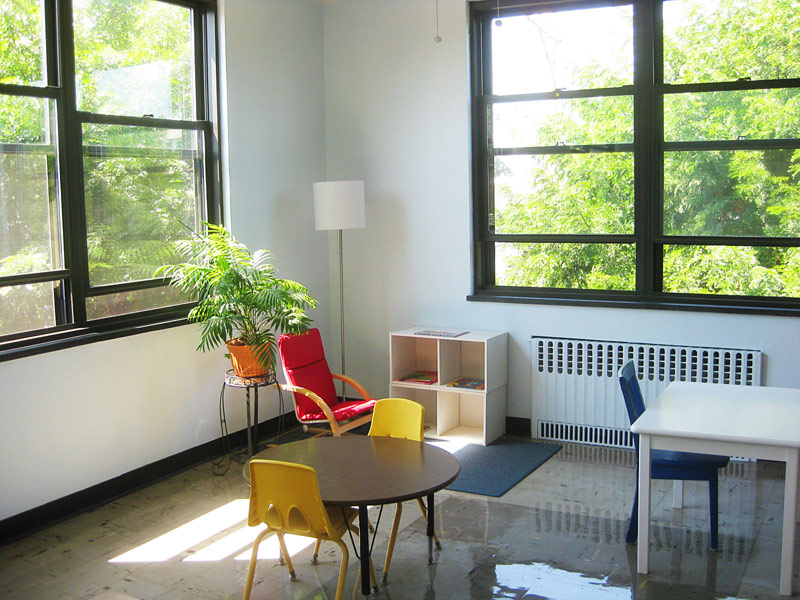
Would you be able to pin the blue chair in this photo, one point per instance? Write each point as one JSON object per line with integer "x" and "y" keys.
{"x": 667, "y": 464}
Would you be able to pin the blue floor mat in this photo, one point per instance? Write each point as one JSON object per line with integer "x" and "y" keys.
{"x": 493, "y": 470}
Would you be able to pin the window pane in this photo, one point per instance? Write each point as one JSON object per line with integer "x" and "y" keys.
{"x": 576, "y": 49}
{"x": 134, "y": 57}
{"x": 123, "y": 303}
{"x": 143, "y": 192}
{"x": 732, "y": 270}
{"x": 752, "y": 114}
{"x": 571, "y": 266}
{"x": 732, "y": 193}
{"x": 607, "y": 120}
{"x": 30, "y": 226}
{"x": 26, "y": 307}
{"x": 725, "y": 40}
{"x": 564, "y": 193}
{"x": 21, "y": 42}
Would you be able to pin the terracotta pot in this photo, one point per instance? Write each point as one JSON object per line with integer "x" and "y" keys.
{"x": 244, "y": 360}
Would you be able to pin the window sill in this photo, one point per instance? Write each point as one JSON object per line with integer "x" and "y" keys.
{"x": 50, "y": 342}
{"x": 772, "y": 306}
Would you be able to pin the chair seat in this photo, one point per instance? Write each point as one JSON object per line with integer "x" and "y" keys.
{"x": 341, "y": 411}
{"x": 687, "y": 460}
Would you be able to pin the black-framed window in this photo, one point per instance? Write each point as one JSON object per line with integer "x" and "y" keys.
{"x": 637, "y": 153}
{"x": 108, "y": 155}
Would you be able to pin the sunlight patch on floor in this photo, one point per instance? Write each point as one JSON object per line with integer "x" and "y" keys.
{"x": 270, "y": 549}
{"x": 451, "y": 446}
{"x": 226, "y": 546}
{"x": 187, "y": 535}
{"x": 202, "y": 528}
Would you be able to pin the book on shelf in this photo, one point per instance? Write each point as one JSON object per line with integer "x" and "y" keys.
{"x": 445, "y": 333}
{"x": 470, "y": 383}
{"x": 426, "y": 377}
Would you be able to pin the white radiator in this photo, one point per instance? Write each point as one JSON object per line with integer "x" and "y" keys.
{"x": 576, "y": 395}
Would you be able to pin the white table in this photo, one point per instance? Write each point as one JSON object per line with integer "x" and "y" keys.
{"x": 730, "y": 420}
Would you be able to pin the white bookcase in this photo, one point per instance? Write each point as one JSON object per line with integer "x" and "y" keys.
{"x": 477, "y": 416}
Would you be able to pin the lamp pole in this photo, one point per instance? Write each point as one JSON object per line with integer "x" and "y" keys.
{"x": 341, "y": 307}
{"x": 339, "y": 205}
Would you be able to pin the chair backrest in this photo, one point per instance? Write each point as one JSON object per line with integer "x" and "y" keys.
{"x": 286, "y": 497}
{"x": 632, "y": 395}
{"x": 304, "y": 365}
{"x": 398, "y": 418}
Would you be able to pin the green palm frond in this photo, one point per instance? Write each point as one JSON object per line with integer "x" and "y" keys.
{"x": 238, "y": 293}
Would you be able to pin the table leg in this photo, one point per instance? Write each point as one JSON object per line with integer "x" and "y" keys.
{"x": 363, "y": 541}
{"x": 249, "y": 431}
{"x": 643, "y": 546}
{"x": 789, "y": 517}
{"x": 430, "y": 530}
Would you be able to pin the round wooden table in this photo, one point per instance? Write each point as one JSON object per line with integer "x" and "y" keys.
{"x": 362, "y": 471}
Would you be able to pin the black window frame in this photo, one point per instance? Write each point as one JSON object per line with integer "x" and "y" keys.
{"x": 649, "y": 150}
{"x": 73, "y": 288}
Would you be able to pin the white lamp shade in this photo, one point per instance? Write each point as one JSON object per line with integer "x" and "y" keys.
{"x": 339, "y": 205}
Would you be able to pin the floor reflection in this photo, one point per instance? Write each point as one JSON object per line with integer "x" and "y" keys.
{"x": 558, "y": 535}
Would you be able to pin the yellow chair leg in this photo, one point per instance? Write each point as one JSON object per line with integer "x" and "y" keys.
{"x": 315, "y": 556}
{"x": 285, "y": 554}
{"x": 425, "y": 514}
{"x": 251, "y": 569}
{"x": 372, "y": 575}
{"x": 392, "y": 538}
{"x": 342, "y": 570}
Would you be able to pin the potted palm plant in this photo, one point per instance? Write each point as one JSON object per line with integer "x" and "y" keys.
{"x": 240, "y": 301}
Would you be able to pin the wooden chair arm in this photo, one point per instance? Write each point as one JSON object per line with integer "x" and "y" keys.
{"x": 318, "y": 401}
{"x": 352, "y": 382}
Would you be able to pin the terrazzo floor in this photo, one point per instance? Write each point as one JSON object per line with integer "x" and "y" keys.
{"x": 559, "y": 534}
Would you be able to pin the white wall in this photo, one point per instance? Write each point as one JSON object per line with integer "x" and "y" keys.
{"x": 397, "y": 116}
{"x": 80, "y": 416}
{"x": 77, "y": 417}
{"x": 275, "y": 132}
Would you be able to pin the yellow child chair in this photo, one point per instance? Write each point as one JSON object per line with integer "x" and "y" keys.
{"x": 405, "y": 419}
{"x": 285, "y": 496}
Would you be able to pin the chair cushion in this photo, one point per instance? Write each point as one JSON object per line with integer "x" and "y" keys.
{"x": 669, "y": 458}
{"x": 317, "y": 378}
{"x": 305, "y": 366}
{"x": 341, "y": 410}
{"x": 299, "y": 350}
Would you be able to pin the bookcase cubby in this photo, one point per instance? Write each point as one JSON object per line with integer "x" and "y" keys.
{"x": 459, "y": 376}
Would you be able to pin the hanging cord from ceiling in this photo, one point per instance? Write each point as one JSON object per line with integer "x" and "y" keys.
{"x": 437, "y": 38}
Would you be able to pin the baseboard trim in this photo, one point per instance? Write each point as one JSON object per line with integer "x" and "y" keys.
{"x": 518, "y": 426}
{"x": 48, "y": 514}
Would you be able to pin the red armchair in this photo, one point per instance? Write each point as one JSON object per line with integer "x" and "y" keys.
{"x": 310, "y": 381}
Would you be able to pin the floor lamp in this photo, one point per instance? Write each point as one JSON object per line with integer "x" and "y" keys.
{"x": 339, "y": 205}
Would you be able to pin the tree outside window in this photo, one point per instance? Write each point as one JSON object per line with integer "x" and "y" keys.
{"x": 104, "y": 139}
{"x": 617, "y": 164}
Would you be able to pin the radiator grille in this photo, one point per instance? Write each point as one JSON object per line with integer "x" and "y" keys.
{"x": 575, "y": 391}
